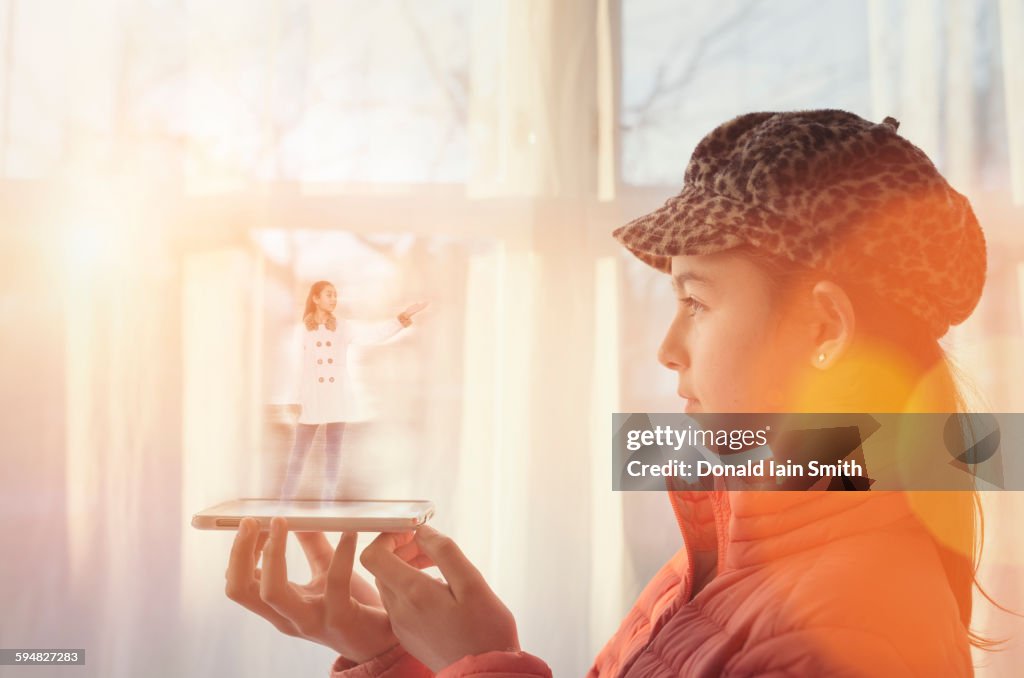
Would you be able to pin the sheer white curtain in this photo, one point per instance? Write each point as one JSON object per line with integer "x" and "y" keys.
{"x": 122, "y": 465}
{"x": 924, "y": 72}
{"x": 1012, "y": 39}
{"x": 550, "y": 536}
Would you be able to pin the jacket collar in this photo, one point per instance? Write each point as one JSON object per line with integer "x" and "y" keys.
{"x": 748, "y": 528}
{"x": 310, "y": 322}
{"x": 751, "y": 527}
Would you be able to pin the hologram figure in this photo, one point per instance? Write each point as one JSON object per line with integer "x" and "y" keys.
{"x": 326, "y": 397}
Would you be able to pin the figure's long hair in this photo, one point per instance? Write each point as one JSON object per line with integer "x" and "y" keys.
{"x": 309, "y": 313}
{"x": 914, "y": 374}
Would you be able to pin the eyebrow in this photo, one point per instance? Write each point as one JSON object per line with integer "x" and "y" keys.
{"x": 681, "y": 279}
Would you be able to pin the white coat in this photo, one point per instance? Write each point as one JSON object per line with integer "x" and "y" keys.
{"x": 325, "y": 390}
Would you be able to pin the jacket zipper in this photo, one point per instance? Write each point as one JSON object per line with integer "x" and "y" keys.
{"x": 688, "y": 582}
{"x": 687, "y": 588}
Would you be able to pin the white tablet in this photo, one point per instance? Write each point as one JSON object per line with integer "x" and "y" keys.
{"x": 307, "y": 515}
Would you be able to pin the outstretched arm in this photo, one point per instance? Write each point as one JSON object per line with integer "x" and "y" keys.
{"x": 377, "y": 333}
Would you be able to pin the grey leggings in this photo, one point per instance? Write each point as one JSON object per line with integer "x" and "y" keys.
{"x": 304, "y": 434}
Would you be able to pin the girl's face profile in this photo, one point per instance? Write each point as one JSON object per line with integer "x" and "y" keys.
{"x": 727, "y": 343}
{"x": 327, "y": 299}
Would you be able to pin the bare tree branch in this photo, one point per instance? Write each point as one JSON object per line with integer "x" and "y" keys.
{"x": 663, "y": 86}
{"x": 456, "y": 99}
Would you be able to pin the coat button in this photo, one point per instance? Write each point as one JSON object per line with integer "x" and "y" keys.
{"x": 332, "y": 378}
{"x": 320, "y": 361}
{"x": 321, "y": 380}
{"x": 319, "y": 344}
{"x": 330, "y": 360}
{"x": 328, "y": 343}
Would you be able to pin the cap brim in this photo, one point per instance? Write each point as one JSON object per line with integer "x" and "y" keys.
{"x": 695, "y": 222}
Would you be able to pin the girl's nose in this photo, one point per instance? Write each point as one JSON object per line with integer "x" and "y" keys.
{"x": 672, "y": 352}
{"x": 666, "y": 357}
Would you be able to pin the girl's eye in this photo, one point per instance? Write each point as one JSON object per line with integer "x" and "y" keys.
{"x": 695, "y": 306}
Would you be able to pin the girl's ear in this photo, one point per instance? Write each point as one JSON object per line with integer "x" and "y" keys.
{"x": 833, "y": 323}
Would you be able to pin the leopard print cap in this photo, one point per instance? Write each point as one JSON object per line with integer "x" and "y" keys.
{"x": 831, "y": 191}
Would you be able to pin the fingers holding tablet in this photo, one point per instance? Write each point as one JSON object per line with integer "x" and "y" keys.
{"x": 337, "y": 608}
{"x": 275, "y": 589}
{"x": 243, "y": 578}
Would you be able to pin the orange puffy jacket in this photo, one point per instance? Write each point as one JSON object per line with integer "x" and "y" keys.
{"x": 771, "y": 584}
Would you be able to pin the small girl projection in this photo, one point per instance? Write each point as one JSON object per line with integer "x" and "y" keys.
{"x": 325, "y": 392}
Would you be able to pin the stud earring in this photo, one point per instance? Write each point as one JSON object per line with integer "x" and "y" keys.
{"x": 821, "y": 357}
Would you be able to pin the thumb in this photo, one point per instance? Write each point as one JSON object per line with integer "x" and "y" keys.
{"x": 461, "y": 575}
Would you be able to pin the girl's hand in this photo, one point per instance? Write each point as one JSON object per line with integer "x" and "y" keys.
{"x": 336, "y": 608}
{"x": 413, "y": 309}
{"x": 438, "y": 623}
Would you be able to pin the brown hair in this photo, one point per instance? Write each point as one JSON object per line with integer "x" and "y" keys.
{"x": 309, "y": 312}
{"x": 905, "y": 342}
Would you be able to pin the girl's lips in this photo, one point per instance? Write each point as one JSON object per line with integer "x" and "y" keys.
{"x": 690, "y": 405}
